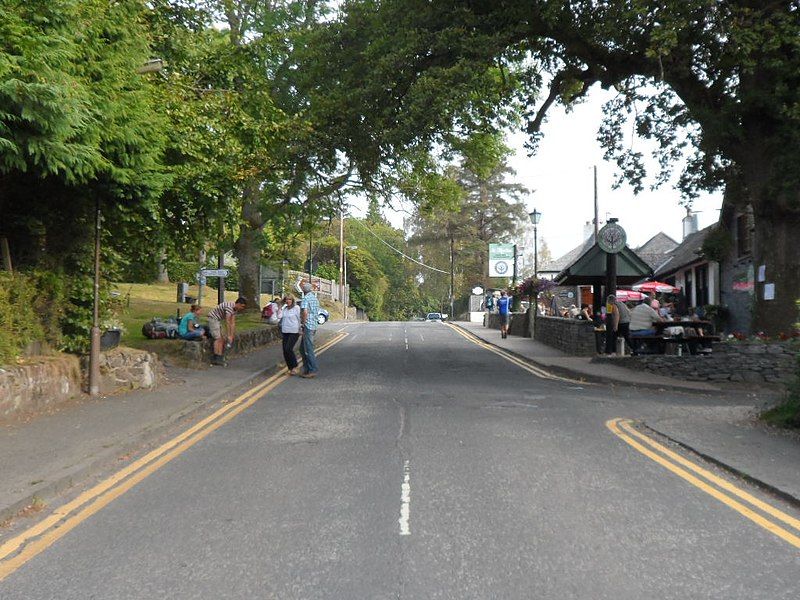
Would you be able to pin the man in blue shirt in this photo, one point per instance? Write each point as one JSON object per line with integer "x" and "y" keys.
{"x": 309, "y": 317}
{"x": 503, "y": 309}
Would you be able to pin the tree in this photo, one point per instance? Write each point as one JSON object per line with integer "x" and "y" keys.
{"x": 715, "y": 79}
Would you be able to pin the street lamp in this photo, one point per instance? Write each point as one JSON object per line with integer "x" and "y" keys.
{"x": 345, "y": 289}
{"x": 535, "y": 216}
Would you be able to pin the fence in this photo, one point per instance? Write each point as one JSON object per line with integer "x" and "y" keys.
{"x": 324, "y": 287}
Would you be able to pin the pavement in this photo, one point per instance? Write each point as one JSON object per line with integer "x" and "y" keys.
{"x": 734, "y": 440}
{"x": 44, "y": 454}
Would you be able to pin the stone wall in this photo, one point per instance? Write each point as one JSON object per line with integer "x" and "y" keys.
{"x": 748, "y": 362}
{"x": 39, "y": 383}
{"x": 123, "y": 369}
{"x": 198, "y": 354}
{"x": 518, "y": 325}
{"x": 571, "y": 336}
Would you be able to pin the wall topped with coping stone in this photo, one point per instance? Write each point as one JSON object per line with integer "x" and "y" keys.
{"x": 572, "y": 336}
{"x": 738, "y": 362}
{"x": 38, "y": 384}
{"x": 198, "y": 354}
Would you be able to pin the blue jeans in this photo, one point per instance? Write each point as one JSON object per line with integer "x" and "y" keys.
{"x": 640, "y": 332}
{"x": 195, "y": 334}
{"x": 307, "y": 351}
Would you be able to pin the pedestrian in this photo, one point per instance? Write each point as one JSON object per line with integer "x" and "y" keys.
{"x": 190, "y": 328}
{"x": 225, "y": 311}
{"x": 618, "y": 323}
{"x": 290, "y": 330}
{"x": 309, "y": 315}
{"x": 503, "y": 309}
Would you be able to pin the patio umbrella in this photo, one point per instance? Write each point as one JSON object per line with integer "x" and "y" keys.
{"x": 656, "y": 287}
{"x": 629, "y": 296}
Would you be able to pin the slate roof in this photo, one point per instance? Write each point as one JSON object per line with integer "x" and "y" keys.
{"x": 689, "y": 251}
{"x": 562, "y": 262}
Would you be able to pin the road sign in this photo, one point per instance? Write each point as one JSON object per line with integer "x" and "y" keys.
{"x": 214, "y": 272}
{"x": 501, "y": 260}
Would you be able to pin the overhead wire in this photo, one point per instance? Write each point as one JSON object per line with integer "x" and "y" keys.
{"x": 400, "y": 252}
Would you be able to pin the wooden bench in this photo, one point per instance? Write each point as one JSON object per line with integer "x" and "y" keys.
{"x": 690, "y": 344}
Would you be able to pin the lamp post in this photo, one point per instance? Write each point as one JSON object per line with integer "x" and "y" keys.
{"x": 345, "y": 289}
{"x": 535, "y": 216}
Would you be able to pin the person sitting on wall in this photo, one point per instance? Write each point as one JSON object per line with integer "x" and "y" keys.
{"x": 585, "y": 313}
{"x": 190, "y": 328}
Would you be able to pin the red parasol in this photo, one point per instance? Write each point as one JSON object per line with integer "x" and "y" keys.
{"x": 656, "y": 287}
{"x": 629, "y": 296}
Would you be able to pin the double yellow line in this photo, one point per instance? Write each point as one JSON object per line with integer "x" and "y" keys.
{"x": 18, "y": 550}
{"x": 509, "y": 357}
{"x": 769, "y": 517}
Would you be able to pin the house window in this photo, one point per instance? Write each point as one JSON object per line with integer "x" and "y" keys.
{"x": 743, "y": 240}
{"x": 701, "y": 285}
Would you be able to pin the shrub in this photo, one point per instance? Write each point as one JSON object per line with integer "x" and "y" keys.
{"x": 19, "y": 322}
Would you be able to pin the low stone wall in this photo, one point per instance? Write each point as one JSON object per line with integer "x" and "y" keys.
{"x": 748, "y": 362}
{"x": 198, "y": 354}
{"x": 38, "y": 384}
{"x": 518, "y": 325}
{"x": 123, "y": 369}
{"x": 571, "y": 336}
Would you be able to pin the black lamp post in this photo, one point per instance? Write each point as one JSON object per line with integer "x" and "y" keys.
{"x": 535, "y": 216}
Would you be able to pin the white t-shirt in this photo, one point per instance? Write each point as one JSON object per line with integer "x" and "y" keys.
{"x": 643, "y": 317}
{"x": 290, "y": 319}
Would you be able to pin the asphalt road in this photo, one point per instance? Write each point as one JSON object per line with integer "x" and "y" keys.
{"x": 419, "y": 465}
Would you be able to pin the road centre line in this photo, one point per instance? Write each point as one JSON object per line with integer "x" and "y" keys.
{"x": 40, "y": 536}
{"x": 405, "y": 500}
{"x": 623, "y": 429}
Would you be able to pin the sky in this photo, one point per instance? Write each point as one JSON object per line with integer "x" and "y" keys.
{"x": 561, "y": 179}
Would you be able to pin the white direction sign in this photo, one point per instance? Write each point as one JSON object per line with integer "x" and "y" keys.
{"x": 501, "y": 260}
{"x": 214, "y": 272}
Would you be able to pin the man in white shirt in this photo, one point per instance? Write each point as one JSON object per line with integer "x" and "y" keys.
{"x": 642, "y": 319}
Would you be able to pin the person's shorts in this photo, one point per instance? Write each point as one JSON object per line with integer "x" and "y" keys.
{"x": 505, "y": 319}
{"x": 215, "y": 328}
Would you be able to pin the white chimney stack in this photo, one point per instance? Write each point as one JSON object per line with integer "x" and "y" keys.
{"x": 689, "y": 223}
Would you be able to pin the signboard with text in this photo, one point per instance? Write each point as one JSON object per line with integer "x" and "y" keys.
{"x": 501, "y": 260}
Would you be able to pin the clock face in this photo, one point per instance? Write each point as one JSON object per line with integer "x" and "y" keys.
{"x": 612, "y": 238}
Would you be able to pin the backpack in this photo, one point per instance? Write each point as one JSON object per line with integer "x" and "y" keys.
{"x": 268, "y": 311}
{"x": 158, "y": 329}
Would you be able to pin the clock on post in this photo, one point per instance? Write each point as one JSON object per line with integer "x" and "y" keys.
{"x": 612, "y": 238}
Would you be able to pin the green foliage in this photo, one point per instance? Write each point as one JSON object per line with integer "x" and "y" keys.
{"x": 328, "y": 271}
{"x": 717, "y": 244}
{"x": 18, "y": 319}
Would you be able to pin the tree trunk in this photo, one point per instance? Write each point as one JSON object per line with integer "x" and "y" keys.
{"x": 163, "y": 275}
{"x": 777, "y": 234}
{"x": 248, "y": 247}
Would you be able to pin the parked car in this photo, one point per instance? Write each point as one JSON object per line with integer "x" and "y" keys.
{"x": 434, "y": 317}
{"x": 323, "y": 316}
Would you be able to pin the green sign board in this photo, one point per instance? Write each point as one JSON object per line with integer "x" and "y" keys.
{"x": 501, "y": 260}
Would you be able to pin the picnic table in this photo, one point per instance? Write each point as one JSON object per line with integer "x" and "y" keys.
{"x": 698, "y": 340}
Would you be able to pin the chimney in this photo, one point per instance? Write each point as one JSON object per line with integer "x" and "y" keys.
{"x": 689, "y": 223}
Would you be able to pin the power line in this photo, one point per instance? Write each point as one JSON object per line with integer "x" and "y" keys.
{"x": 400, "y": 252}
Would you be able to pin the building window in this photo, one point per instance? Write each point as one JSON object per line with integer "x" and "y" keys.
{"x": 701, "y": 285}
{"x": 743, "y": 239}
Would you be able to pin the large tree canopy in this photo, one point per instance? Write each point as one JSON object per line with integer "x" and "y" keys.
{"x": 712, "y": 80}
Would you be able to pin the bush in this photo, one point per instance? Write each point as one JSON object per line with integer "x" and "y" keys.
{"x": 18, "y": 320}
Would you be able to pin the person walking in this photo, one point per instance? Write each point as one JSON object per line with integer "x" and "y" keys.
{"x": 309, "y": 315}
{"x": 225, "y": 311}
{"x": 504, "y": 310}
{"x": 290, "y": 330}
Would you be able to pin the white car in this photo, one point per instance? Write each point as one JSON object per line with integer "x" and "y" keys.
{"x": 434, "y": 317}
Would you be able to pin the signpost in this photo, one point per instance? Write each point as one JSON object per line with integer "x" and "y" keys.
{"x": 214, "y": 272}
{"x": 501, "y": 260}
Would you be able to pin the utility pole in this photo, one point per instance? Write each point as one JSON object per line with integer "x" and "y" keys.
{"x": 221, "y": 265}
{"x": 452, "y": 273}
{"x": 94, "y": 349}
{"x": 341, "y": 262}
{"x": 596, "y": 210}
